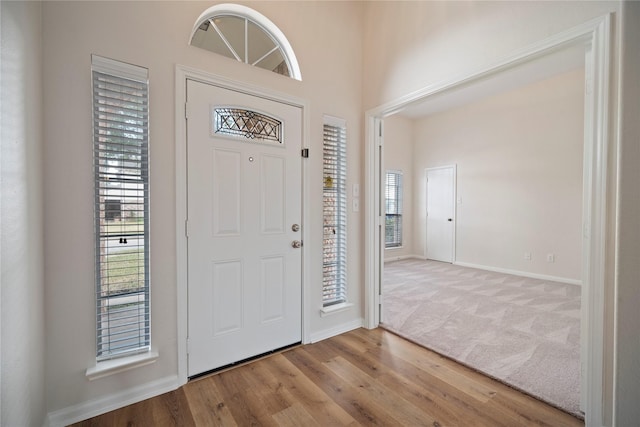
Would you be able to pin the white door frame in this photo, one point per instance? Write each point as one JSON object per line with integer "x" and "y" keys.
{"x": 184, "y": 73}
{"x": 455, "y": 209}
{"x": 595, "y": 36}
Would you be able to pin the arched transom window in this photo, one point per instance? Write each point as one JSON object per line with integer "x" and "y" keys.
{"x": 241, "y": 33}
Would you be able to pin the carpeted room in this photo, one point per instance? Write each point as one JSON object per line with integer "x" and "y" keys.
{"x": 517, "y": 208}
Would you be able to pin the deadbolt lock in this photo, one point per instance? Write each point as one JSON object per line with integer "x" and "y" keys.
{"x": 295, "y": 227}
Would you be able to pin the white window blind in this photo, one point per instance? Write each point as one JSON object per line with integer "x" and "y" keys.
{"x": 393, "y": 210}
{"x": 121, "y": 167}
{"x": 334, "y": 242}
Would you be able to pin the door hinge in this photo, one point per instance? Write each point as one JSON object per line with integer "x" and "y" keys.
{"x": 305, "y": 153}
{"x": 186, "y": 228}
{"x": 186, "y": 110}
{"x": 188, "y": 346}
{"x": 379, "y": 128}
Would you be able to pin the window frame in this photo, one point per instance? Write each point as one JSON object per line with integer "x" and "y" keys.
{"x": 128, "y": 91}
{"x": 334, "y": 275}
{"x": 397, "y": 215}
{"x": 262, "y": 22}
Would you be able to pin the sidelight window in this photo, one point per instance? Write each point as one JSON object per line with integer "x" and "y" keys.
{"x": 393, "y": 210}
{"x": 121, "y": 167}
{"x": 334, "y": 244}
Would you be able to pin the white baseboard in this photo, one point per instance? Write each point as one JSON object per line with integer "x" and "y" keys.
{"x": 337, "y": 330}
{"x": 92, "y": 408}
{"x": 520, "y": 273}
{"x": 401, "y": 257}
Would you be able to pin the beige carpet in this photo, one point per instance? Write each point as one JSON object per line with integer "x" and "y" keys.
{"x": 524, "y": 332}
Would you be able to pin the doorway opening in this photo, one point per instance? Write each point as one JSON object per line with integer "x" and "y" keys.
{"x": 593, "y": 38}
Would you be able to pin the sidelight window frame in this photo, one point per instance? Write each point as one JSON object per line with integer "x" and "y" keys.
{"x": 121, "y": 191}
{"x": 393, "y": 209}
{"x": 334, "y": 196}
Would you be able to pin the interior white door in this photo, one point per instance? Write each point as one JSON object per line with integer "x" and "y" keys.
{"x": 440, "y": 213}
{"x": 244, "y": 197}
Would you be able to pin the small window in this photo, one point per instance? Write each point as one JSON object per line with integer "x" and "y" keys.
{"x": 246, "y": 124}
{"x": 121, "y": 166}
{"x": 334, "y": 242}
{"x": 243, "y": 34}
{"x": 393, "y": 210}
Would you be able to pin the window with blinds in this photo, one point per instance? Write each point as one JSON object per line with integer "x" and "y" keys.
{"x": 393, "y": 210}
{"x": 121, "y": 167}
{"x": 334, "y": 239}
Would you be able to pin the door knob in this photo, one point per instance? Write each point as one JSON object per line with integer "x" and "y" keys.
{"x": 449, "y": 219}
{"x": 296, "y": 244}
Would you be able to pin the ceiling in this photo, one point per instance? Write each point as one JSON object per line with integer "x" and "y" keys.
{"x": 568, "y": 59}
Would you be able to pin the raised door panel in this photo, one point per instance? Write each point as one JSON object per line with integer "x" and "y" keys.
{"x": 272, "y": 194}
{"x": 272, "y": 288}
{"x": 227, "y": 184}
{"x": 227, "y": 296}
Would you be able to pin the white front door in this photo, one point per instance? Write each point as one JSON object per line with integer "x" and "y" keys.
{"x": 244, "y": 196}
{"x": 440, "y": 213}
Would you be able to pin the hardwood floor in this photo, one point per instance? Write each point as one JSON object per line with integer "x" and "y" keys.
{"x": 363, "y": 377}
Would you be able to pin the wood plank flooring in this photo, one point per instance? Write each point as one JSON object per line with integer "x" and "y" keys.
{"x": 363, "y": 377}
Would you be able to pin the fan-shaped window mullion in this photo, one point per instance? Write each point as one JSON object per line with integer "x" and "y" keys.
{"x": 255, "y": 63}
{"x": 224, "y": 40}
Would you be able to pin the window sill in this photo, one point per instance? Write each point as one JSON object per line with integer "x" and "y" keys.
{"x": 114, "y": 366}
{"x": 333, "y": 309}
{"x": 393, "y": 247}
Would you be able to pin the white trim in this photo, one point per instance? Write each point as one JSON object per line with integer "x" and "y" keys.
{"x": 595, "y": 221}
{"x": 558, "y": 279}
{"x": 335, "y": 308}
{"x": 403, "y": 257}
{"x": 95, "y": 407}
{"x": 396, "y": 171}
{"x": 258, "y": 19}
{"x": 119, "y": 68}
{"x": 334, "y": 121}
{"x": 336, "y": 330}
{"x": 109, "y": 367}
{"x": 595, "y": 35}
{"x": 520, "y": 273}
{"x": 184, "y": 73}
{"x": 580, "y": 33}
{"x": 374, "y": 244}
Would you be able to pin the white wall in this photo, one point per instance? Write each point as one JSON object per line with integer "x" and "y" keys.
{"x": 519, "y": 176}
{"x": 398, "y": 156}
{"x": 433, "y": 42}
{"x": 22, "y": 291}
{"x": 155, "y": 35}
{"x": 627, "y": 410}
